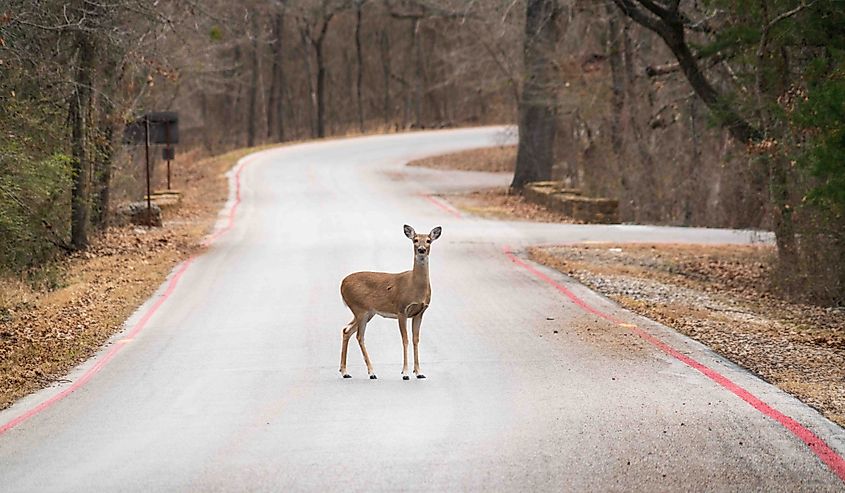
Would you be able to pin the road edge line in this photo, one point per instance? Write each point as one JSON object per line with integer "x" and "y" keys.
{"x": 442, "y": 205}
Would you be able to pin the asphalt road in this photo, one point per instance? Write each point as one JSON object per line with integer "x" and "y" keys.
{"x": 233, "y": 383}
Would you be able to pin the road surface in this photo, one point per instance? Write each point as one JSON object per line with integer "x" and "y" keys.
{"x": 227, "y": 379}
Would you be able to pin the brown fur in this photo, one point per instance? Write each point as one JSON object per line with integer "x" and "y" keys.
{"x": 402, "y": 296}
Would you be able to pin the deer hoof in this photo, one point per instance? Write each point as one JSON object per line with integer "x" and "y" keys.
{"x": 346, "y": 375}
{"x": 373, "y": 377}
{"x": 405, "y": 377}
{"x": 420, "y": 375}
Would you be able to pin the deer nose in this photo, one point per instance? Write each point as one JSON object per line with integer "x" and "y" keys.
{"x": 421, "y": 250}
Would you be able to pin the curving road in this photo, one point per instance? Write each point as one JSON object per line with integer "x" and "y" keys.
{"x": 227, "y": 379}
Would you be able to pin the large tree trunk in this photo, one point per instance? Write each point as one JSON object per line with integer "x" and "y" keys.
{"x": 537, "y": 106}
{"x": 79, "y": 112}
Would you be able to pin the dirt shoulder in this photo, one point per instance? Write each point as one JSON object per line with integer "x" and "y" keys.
{"x": 719, "y": 295}
{"x": 46, "y": 330}
{"x": 493, "y": 203}
{"x": 492, "y": 159}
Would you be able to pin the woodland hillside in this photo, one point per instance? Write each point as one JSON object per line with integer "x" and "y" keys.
{"x": 696, "y": 113}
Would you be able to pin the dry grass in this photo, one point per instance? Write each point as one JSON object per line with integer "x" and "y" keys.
{"x": 499, "y": 203}
{"x": 47, "y": 329}
{"x": 720, "y": 296}
{"x": 492, "y": 159}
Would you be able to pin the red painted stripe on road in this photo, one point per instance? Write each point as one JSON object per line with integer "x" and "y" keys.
{"x": 442, "y": 205}
{"x": 142, "y": 322}
{"x": 100, "y": 363}
{"x": 232, "y": 210}
{"x": 818, "y": 446}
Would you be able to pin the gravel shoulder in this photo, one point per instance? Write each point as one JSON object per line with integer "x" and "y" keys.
{"x": 48, "y": 328}
{"x": 719, "y": 296}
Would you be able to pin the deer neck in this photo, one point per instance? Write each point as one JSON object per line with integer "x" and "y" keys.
{"x": 419, "y": 275}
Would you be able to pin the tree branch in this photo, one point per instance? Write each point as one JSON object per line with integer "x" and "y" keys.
{"x": 672, "y": 32}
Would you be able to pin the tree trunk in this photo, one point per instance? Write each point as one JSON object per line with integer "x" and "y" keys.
{"x": 79, "y": 110}
{"x": 107, "y": 129}
{"x": 309, "y": 81}
{"x": 646, "y": 208}
{"x": 321, "y": 76}
{"x": 784, "y": 226}
{"x": 617, "y": 77}
{"x": 273, "y": 97}
{"x": 321, "y": 90}
{"x": 384, "y": 45}
{"x": 103, "y": 161}
{"x": 252, "y": 114}
{"x": 537, "y": 106}
{"x": 359, "y": 64}
{"x": 418, "y": 73}
{"x": 234, "y": 96}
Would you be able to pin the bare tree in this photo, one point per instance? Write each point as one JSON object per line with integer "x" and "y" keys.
{"x": 314, "y": 26}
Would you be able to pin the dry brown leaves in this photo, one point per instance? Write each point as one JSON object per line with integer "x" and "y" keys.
{"x": 720, "y": 296}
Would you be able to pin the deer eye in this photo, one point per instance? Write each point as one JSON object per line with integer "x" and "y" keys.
{"x": 428, "y": 242}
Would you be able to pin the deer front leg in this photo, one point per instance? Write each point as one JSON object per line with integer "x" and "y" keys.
{"x": 403, "y": 331}
{"x": 362, "y": 327}
{"x": 415, "y": 327}
{"x": 347, "y": 331}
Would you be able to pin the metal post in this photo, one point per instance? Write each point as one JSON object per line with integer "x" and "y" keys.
{"x": 147, "y": 152}
{"x": 167, "y": 144}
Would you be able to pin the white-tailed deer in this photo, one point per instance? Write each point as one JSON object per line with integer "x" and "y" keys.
{"x": 400, "y": 296}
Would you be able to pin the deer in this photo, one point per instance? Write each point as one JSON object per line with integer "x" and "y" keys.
{"x": 400, "y": 296}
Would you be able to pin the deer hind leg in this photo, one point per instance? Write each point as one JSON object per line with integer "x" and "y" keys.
{"x": 403, "y": 331}
{"x": 362, "y": 328}
{"x": 415, "y": 327}
{"x": 347, "y": 332}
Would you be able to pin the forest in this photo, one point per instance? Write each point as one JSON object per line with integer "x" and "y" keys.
{"x": 699, "y": 113}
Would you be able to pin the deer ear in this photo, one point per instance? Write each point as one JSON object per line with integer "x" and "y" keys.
{"x": 435, "y": 233}
{"x": 409, "y": 232}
